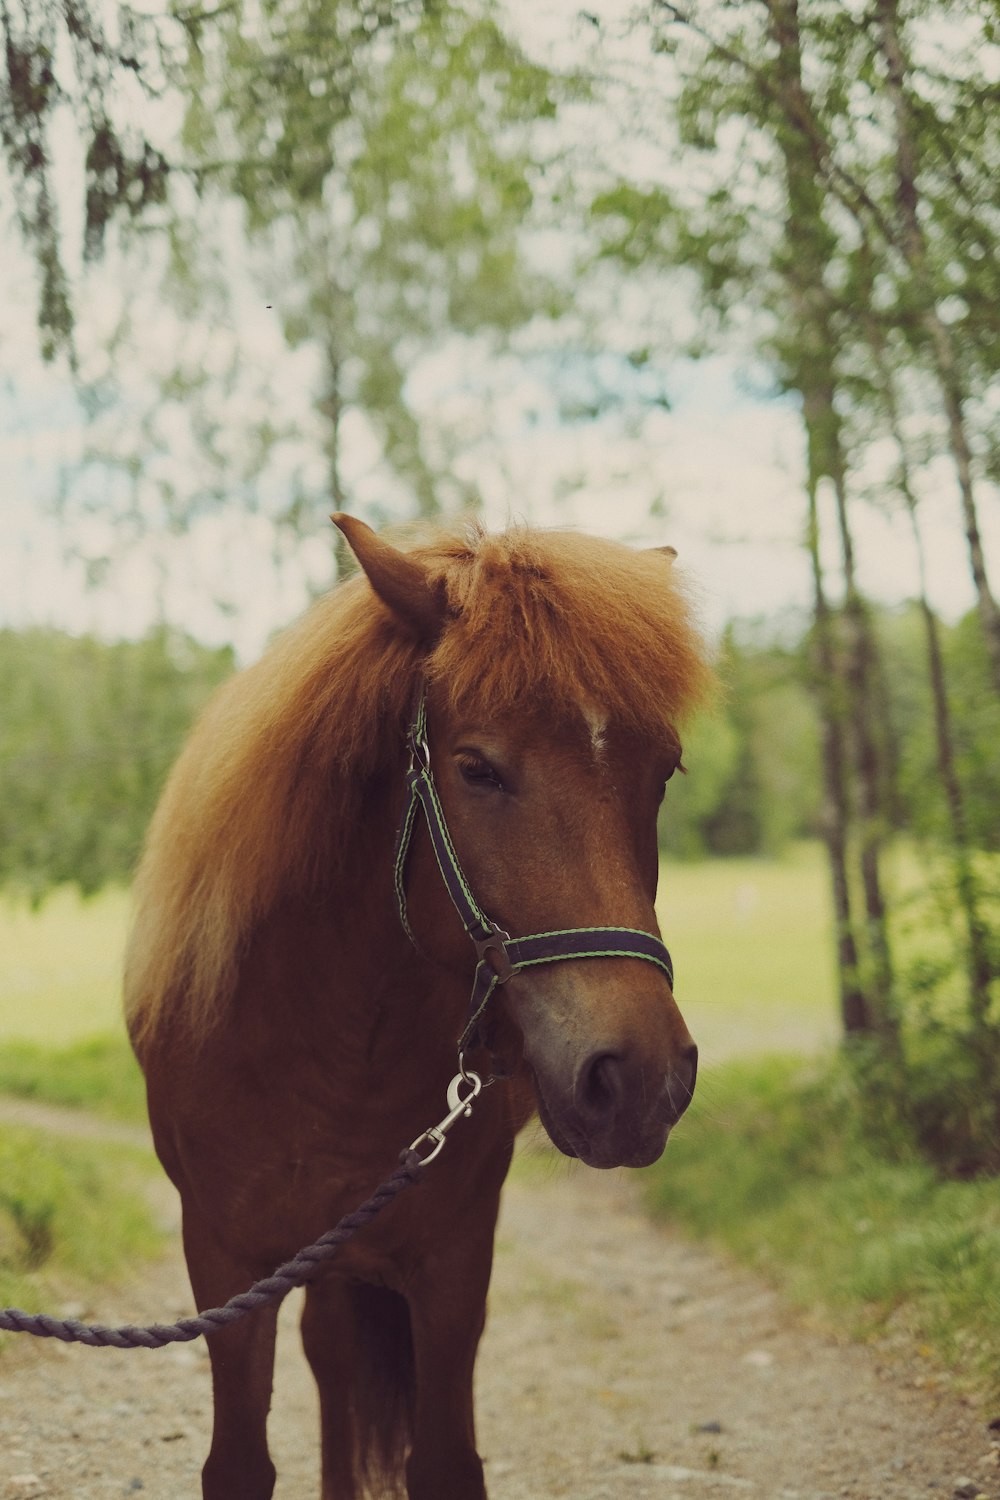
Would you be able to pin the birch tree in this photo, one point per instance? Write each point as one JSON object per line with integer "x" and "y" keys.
{"x": 376, "y": 202}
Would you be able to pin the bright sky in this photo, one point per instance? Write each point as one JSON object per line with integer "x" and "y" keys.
{"x": 722, "y": 470}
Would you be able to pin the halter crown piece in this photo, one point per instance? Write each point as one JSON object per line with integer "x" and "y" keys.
{"x": 500, "y": 956}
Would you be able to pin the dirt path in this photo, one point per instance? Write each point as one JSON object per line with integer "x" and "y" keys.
{"x": 620, "y": 1361}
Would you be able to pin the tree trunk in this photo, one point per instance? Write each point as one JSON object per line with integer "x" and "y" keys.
{"x": 862, "y": 676}
{"x": 812, "y": 371}
{"x": 913, "y": 245}
{"x": 855, "y": 1011}
{"x": 331, "y": 407}
{"x": 980, "y": 969}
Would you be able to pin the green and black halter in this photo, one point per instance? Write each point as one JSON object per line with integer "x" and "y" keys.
{"x": 499, "y": 955}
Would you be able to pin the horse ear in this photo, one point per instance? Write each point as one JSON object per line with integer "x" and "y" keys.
{"x": 668, "y": 552}
{"x": 398, "y": 580}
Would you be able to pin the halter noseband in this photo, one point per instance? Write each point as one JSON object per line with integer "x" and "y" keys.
{"x": 499, "y": 955}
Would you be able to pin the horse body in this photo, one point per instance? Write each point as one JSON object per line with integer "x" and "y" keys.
{"x": 294, "y": 1039}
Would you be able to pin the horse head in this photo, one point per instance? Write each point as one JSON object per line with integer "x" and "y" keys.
{"x": 549, "y": 792}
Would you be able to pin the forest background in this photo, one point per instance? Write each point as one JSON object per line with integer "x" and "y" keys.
{"x": 334, "y": 254}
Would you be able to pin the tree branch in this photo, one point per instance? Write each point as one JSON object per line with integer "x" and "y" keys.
{"x": 848, "y": 191}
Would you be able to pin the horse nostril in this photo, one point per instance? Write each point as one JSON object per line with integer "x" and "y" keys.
{"x": 601, "y": 1088}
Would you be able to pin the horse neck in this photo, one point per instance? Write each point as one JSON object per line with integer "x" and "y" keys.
{"x": 351, "y": 974}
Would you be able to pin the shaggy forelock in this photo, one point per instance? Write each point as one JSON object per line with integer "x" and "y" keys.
{"x": 565, "y": 621}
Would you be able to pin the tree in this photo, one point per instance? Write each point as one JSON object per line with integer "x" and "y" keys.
{"x": 908, "y": 157}
{"x": 418, "y": 239}
{"x": 913, "y": 122}
{"x": 379, "y": 211}
{"x": 88, "y": 734}
{"x": 832, "y": 199}
{"x": 63, "y": 58}
{"x": 980, "y": 965}
{"x": 890, "y": 328}
{"x": 759, "y": 239}
{"x": 754, "y": 782}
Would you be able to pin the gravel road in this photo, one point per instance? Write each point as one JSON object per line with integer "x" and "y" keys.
{"x": 619, "y": 1361}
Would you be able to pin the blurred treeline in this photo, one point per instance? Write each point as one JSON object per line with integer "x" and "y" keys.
{"x": 755, "y": 778}
{"x": 87, "y": 735}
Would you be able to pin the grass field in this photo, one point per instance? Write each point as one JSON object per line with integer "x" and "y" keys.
{"x": 752, "y": 946}
{"x": 750, "y": 941}
{"x": 60, "y": 967}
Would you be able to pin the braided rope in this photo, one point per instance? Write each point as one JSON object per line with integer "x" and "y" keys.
{"x": 301, "y": 1268}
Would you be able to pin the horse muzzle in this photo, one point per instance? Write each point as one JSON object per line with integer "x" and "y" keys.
{"x": 615, "y": 1113}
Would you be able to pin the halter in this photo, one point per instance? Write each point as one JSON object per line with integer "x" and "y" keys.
{"x": 500, "y": 956}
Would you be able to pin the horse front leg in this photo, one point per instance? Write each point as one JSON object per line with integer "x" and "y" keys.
{"x": 447, "y": 1300}
{"x": 357, "y": 1340}
{"x": 238, "y": 1466}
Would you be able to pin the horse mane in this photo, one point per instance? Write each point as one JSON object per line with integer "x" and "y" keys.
{"x": 265, "y": 797}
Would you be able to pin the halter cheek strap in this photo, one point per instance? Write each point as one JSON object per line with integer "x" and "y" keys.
{"x": 499, "y": 955}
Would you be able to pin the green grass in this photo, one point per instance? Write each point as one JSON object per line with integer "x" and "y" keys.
{"x": 773, "y": 1162}
{"x": 99, "y": 1074}
{"x": 752, "y": 945}
{"x": 72, "y": 1215}
{"x": 62, "y": 1037}
{"x": 60, "y": 967}
{"x": 750, "y": 939}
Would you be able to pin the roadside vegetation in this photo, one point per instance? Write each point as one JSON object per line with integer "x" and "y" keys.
{"x": 780, "y": 1161}
{"x": 73, "y": 1215}
{"x": 99, "y": 1074}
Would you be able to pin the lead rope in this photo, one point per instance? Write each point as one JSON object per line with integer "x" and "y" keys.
{"x": 302, "y": 1268}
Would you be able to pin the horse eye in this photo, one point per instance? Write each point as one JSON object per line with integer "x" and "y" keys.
{"x": 480, "y": 773}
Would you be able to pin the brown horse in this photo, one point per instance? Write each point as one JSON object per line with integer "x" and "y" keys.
{"x": 294, "y": 1038}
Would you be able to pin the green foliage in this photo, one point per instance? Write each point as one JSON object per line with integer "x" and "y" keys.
{"x": 780, "y": 1160}
{"x": 954, "y": 1109}
{"x": 87, "y": 735}
{"x": 753, "y": 779}
{"x": 386, "y": 165}
{"x": 787, "y": 114}
{"x": 976, "y": 726}
{"x": 632, "y": 223}
{"x": 54, "y": 55}
{"x": 976, "y": 712}
{"x": 695, "y": 797}
{"x": 72, "y": 1214}
{"x": 99, "y": 1074}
